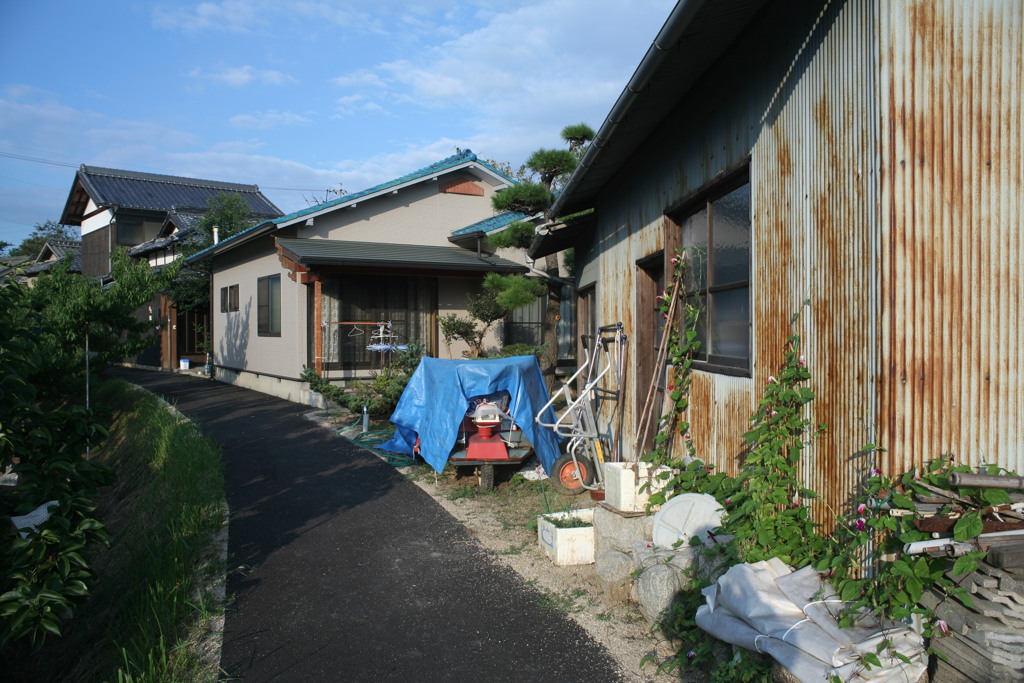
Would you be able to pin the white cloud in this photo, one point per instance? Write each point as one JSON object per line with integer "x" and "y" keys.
{"x": 361, "y": 78}
{"x": 266, "y": 120}
{"x": 526, "y": 71}
{"x": 350, "y": 105}
{"x": 241, "y": 76}
{"x": 232, "y": 16}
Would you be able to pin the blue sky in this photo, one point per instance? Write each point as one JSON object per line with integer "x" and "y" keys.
{"x": 296, "y": 96}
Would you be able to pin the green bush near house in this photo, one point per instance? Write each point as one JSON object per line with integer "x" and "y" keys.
{"x": 380, "y": 395}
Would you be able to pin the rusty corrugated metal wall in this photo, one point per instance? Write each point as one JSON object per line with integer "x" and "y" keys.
{"x": 815, "y": 221}
{"x": 886, "y": 172}
{"x": 952, "y": 173}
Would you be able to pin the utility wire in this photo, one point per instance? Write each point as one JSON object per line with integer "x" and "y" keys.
{"x": 37, "y": 160}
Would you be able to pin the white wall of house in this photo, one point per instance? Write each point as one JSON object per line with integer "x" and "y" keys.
{"x": 416, "y": 215}
{"x": 100, "y": 220}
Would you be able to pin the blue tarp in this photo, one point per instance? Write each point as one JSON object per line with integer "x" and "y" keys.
{"x": 437, "y": 396}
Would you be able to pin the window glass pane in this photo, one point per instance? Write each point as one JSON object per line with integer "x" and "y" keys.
{"x": 730, "y": 229}
{"x": 275, "y": 305}
{"x": 525, "y": 324}
{"x": 701, "y": 302}
{"x": 262, "y": 306}
{"x": 695, "y": 244}
{"x": 405, "y": 302}
{"x": 566, "y": 328}
{"x": 730, "y": 323}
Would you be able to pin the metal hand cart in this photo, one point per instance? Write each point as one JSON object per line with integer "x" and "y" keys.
{"x": 580, "y": 467}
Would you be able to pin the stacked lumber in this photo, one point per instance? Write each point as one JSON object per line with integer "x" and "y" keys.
{"x": 986, "y": 639}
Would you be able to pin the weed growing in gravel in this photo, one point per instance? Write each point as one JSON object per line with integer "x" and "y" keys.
{"x": 566, "y": 602}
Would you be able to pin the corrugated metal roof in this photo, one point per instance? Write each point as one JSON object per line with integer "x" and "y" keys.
{"x": 694, "y": 36}
{"x": 153, "y": 192}
{"x": 392, "y": 256}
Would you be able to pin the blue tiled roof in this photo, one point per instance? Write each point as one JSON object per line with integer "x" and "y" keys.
{"x": 462, "y": 157}
{"x": 493, "y": 223}
{"x": 435, "y": 168}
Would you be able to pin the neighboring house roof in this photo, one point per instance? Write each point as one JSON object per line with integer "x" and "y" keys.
{"x": 463, "y": 160}
{"x": 694, "y": 36}
{"x": 54, "y": 251}
{"x": 108, "y": 187}
{"x": 9, "y": 264}
{"x": 489, "y": 225}
{"x": 309, "y": 252}
{"x": 159, "y": 243}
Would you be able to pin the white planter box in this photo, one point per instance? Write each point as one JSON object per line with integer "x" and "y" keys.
{"x": 622, "y": 482}
{"x": 567, "y": 546}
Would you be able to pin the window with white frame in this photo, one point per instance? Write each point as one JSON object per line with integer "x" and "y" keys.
{"x": 268, "y": 306}
{"x": 229, "y": 299}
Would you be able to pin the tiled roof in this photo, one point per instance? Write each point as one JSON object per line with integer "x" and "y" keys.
{"x": 463, "y": 157}
{"x": 393, "y": 256}
{"x": 150, "y": 191}
{"x": 493, "y": 223}
{"x": 59, "y": 249}
{"x": 161, "y": 242}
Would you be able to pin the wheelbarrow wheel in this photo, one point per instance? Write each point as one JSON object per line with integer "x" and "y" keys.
{"x": 485, "y": 477}
{"x": 572, "y": 477}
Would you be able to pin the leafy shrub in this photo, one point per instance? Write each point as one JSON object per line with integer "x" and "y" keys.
{"x": 380, "y": 395}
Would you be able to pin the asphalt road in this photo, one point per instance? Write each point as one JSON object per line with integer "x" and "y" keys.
{"x": 341, "y": 570}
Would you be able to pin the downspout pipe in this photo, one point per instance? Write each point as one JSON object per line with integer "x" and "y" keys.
{"x": 479, "y": 251}
{"x": 671, "y": 32}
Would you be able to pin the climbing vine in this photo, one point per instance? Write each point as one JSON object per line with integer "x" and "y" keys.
{"x": 681, "y": 347}
{"x": 768, "y": 515}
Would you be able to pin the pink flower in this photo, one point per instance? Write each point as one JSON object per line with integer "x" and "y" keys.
{"x": 943, "y": 626}
{"x": 773, "y": 413}
{"x": 674, "y": 260}
{"x": 686, "y": 436}
{"x": 800, "y": 361}
{"x": 770, "y": 379}
{"x": 861, "y": 508}
{"x": 691, "y": 654}
{"x": 860, "y": 524}
{"x": 876, "y": 472}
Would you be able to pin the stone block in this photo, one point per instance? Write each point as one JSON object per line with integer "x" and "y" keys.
{"x": 614, "y": 571}
{"x": 657, "y": 587}
{"x": 615, "y": 532}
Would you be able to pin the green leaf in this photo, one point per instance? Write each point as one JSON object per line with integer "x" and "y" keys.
{"x": 914, "y": 589}
{"x": 870, "y": 659}
{"x": 968, "y": 526}
{"x": 995, "y": 496}
{"x": 964, "y": 565}
{"x": 851, "y": 590}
